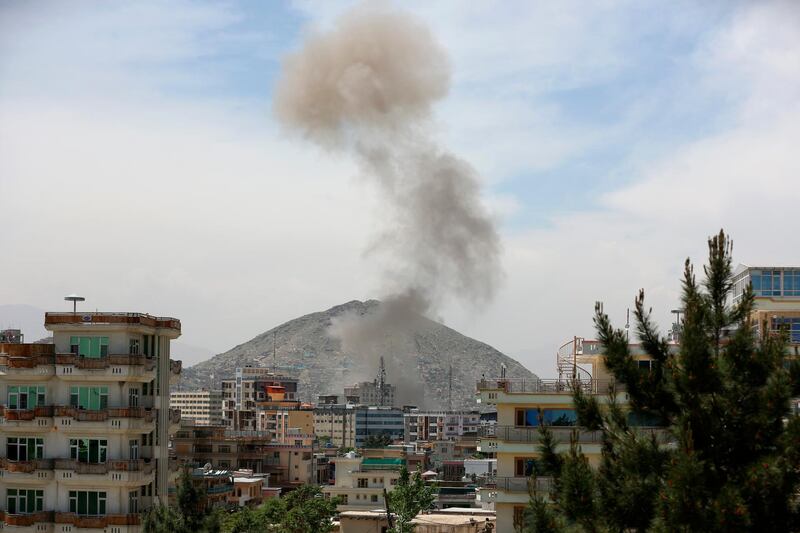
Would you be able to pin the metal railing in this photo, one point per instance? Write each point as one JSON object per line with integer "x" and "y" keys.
{"x": 521, "y": 484}
{"x": 550, "y": 386}
{"x": 564, "y": 434}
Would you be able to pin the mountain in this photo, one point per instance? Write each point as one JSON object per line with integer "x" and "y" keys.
{"x": 418, "y": 361}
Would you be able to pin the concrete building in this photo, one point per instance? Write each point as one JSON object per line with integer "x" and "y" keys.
{"x": 777, "y": 298}
{"x": 86, "y": 423}
{"x": 251, "y": 385}
{"x": 426, "y": 426}
{"x": 371, "y": 393}
{"x": 288, "y": 465}
{"x": 349, "y": 426}
{"x": 360, "y": 479}
{"x": 201, "y": 407}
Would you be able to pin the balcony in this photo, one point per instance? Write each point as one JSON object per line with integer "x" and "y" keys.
{"x": 97, "y": 522}
{"x": 26, "y": 520}
{"x": 25, "y": 467}
{"x": 522, "y": 484}
{"x": 27, "y": 420}
{"x": 561, "y": 434}
{"x": 137, "y": 465}
{"x": 118, "y": 367}
{"x": 548, "y": 386}
{"x": 27, "y": 361}
{"x": 111, "y": 419}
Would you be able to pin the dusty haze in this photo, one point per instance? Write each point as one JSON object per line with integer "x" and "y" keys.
{"x": 367, "y": 87}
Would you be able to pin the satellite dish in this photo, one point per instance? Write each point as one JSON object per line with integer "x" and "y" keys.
{"x": 74, "y": 298}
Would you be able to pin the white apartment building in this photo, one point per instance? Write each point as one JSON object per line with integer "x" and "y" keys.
{"x": 360, "y": 481}
{"x": 202, "y": 407}
{"x": 426, "y": 426}
{"x": 85, "y": 423}
{"x": 371, "y": 393}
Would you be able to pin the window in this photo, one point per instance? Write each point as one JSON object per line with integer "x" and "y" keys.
{"x": 88, "y": 450}
{"x": 133, "y": 346}
{"x": 26, "y": 396}
{"x": 552, "y": 417}
{"x": 373, "y": 498}
{"x": 526, "y": 466}
{"x": 90, "y": 398}
{"x": 24, "y": 501}
{"x": 790, "y": 325}
{"x": 133, "y": 502}
{"x": 92, "y": 347}
{"x": 647, "y": 364}
{"x": 791, "y": 282}
{"x": 87, "y": 502}
{"x": 133, "y": 449}
{"x": 24, "y": 448}
{"x": 519, "y": 517}
{"x": 362, "y": 483}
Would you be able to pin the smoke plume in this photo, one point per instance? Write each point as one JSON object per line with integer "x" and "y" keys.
{"x": 367, "y": 87}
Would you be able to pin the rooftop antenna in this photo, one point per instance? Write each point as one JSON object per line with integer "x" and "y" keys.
{"x": 381, "y": 382}
{"x": 628, "y": 325}
{"x": 74, "y": 298}
{"x": 450, "y": 389}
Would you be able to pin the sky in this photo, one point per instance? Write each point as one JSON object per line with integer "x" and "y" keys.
{"x": 141, "y": 165}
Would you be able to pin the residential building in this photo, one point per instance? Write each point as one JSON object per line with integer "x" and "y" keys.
{"x": 251, "y": 385}
{"x": 85, "y": 422}
{"x": 371, "y": 393}
{"x": 521, "y": 403}
{"x": 427, "y": 426}
{"x": 349, "y": 426}
{"x": 287, "y": 464}
{"x": 360, "y": 479}
{"x": 201, "y": 407}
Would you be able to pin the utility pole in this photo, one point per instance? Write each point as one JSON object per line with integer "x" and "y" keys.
{"x": 450, "y": 389}
{"x": 274, "y": 353}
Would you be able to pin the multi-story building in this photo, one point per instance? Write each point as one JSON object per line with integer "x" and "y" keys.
{"x": 426, "y": 426}
{"x": 371, "y": 393}
{"x": 777, "y": 298}
{"x": 201, "y": 407}
{"x": 251, "y": 385}
{"x": 288, "y": 464}
{"x": 85, "y": 422}
{"x": 360, "y": 480}
{"x": 349, "y": 426}
{"x": 521, "y": 403}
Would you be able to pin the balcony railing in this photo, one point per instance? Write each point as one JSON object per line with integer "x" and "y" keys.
{"x": 561, "y": 434}
{"x": 549, "y": 386}
{"x": 97, "y": 522}
{"x": 30, "y": 361}
{"x": 521, "y": 484}
{"x": 113, "y": 318}
{"x": 26, "y": 467}
{"x": 138, "y": 465}
{"x": 100, "y": 363}
{"x": 42, "y": 411}
{"x": 26, "y": 520}
{"x": 101, "y": 415}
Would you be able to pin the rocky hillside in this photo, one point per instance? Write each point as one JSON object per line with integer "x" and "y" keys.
{"x": 417, "y": 361}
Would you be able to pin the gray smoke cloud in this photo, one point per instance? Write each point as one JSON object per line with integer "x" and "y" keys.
{"x": 367, "y": 87}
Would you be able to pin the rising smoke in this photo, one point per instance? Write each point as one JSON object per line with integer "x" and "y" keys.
{"x": 366, "y": 87}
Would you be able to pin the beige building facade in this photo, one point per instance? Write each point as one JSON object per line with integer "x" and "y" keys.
{"x": 202, "y": 407}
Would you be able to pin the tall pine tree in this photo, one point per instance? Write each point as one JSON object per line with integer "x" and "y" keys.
{"x": 731, "y": 459}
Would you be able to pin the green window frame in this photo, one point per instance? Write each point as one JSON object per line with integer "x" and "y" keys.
{"x": 24, "y": 448}
{"x": 93, "y": 451}
{"x": 24, "y": 501}
{"x": 89, "y": 398}
{"x": 91, "y": 347}
{"x": 87, "y": 502}
{"x": 26, "y": 396}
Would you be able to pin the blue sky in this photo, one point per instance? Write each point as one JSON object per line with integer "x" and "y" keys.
{"x": 612, "y": 137}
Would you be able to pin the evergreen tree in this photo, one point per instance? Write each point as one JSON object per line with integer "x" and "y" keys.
{"x": 163, "y": 519}
{"x": 410, "y": 496}
{"x": 191, "y": 502}
{"x": 723, "y": 397}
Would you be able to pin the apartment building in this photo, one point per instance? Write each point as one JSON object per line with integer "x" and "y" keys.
{"x": 426, "y": 426}
{"x": 349, "y": 426}
{"x": 201, "y": 407}
{"x": 515, "y": 438}
{"x": 360, "y": 479}
{"x": 251, "y": 385}
{"x": 371, "y": 393}
{"x": 85, "y": 423}
{"x": 288, "y": 464}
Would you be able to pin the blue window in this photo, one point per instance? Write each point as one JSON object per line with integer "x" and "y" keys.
{"x": 552, "y": 417}
{"x": 790, "y": 325}
{"x": 644, "y": 419}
